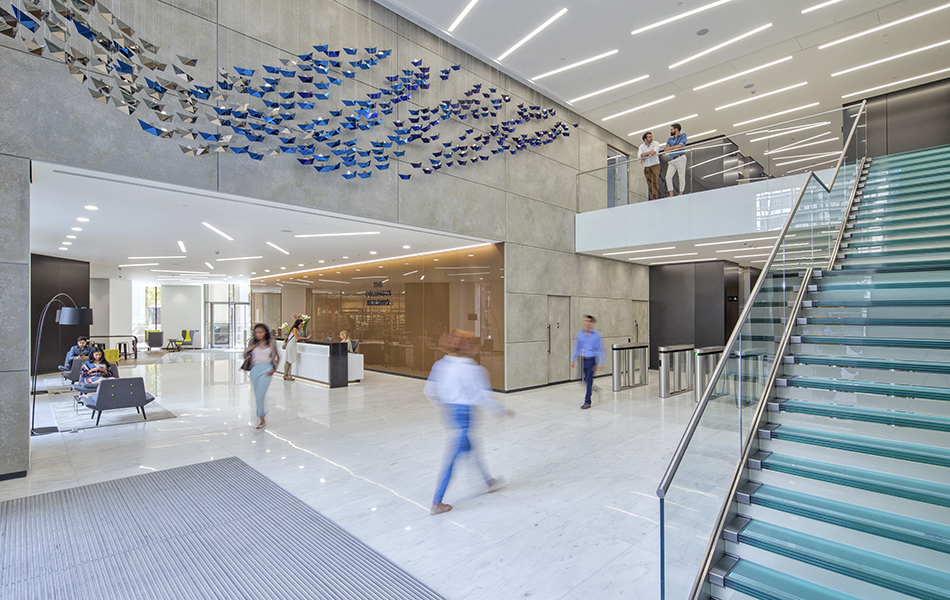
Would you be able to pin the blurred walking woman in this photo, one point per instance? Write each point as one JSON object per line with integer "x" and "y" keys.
{"x": 290, "y": 349}
{"x": 264, "y": 361}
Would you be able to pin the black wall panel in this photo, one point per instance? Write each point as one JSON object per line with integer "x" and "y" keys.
{"x": 911, "y": 119}
{"x": 50, "y": 275}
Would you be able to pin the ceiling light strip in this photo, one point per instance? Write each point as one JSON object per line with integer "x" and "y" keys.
{"x": 410, "y": 272}
{"x": 711, "y": 131}
{"x": 663, "y": 256}
{"x": 752, "y": 70}
{"x": 636, "y": 108}
{"x": 524, "y": 40}
{"x": 331, "y": 281}
{"x": 812, "y": 155}
{"x": 713, "y": 159}
{"x": 140, "y": 265}
{"x": 181, "y": 245}
{"x": 893, "y": 83}
{"x": 152, "y": 257}
{"x": 765, "y": 95}
{"x": 817, "y": 6}
{"x": 238, "y": 258}
{"x": 577, "y": 64}
{"x": 788, "y": 146}
{"x": 313, "y": 235}
{"x": 688, "y": 13}
{"x": 276, "y": 247}
{"x": 806, "y": 145}
{"x": 676, "y": 262}
{"x": 792, "y": 162}
{"x": 681, "y": 119}
{"x": 210, "y": 266}
{"x": 721, "y": 46}
{"x": 890, "y": 58}
{"x": 778, "y": 114}
{"x": 833, "y": 160}
{"x": 468, "y": 8}
{"x": 790, "y": 131}
{"x": 735, "y": 168}
{"x": 609, "y": 89}
{"x": 884, "y": 26}
{"x": 218, "y": 231}
{"x": 638, "y": 251}
{"x": 758, "y": 239}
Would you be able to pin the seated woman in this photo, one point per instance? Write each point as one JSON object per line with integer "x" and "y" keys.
{"x": 345, "y": 338}
{"x": 96, "y": 369}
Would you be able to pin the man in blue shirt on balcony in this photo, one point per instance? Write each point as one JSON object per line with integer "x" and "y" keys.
{"x": 590, "y": 348}
{"x": 677, "y": 162}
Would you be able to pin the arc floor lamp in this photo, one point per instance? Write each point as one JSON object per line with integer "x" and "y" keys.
{"x": 67, "y": 315}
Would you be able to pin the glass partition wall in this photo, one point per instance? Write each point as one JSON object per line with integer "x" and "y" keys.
{"x": 397, "y": 309}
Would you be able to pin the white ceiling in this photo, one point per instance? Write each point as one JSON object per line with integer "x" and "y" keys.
{"x": 592, "y": 27}
{"x": 163, "y": 214}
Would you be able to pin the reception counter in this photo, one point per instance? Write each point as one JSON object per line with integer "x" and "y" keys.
{"x": 324, "y": 362}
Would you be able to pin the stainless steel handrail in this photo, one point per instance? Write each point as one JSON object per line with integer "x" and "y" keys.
{"x": 756, "y": 420}
{"x": 701, "y": 407}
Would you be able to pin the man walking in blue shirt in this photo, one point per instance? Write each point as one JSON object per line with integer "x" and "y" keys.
{"x": 590, "y": 348}
{"x": 677, "y": 162}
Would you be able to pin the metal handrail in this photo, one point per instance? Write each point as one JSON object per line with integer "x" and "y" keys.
{"x": 714, "y": 540}
{"x": 847, "y": 211}
{"x": 720, "y": 366}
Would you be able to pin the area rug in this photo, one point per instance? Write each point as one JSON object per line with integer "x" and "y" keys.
{"x": 68, "y": 418}
{"x": 217, "y": 529}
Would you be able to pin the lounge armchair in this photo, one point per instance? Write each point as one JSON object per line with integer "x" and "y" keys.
{"x": 119, "y": 393}
{"x": 83, "y": 388}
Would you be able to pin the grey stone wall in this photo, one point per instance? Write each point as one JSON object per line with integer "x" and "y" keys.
{"x": 527, "y": 201}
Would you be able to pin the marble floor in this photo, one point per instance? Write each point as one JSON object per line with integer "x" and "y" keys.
{"x": 578, "y": 518}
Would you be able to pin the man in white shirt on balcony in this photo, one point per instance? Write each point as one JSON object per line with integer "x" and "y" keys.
{"x": 649, "y": 156}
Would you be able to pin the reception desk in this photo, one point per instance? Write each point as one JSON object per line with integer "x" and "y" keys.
{"x": 324, "y": 362}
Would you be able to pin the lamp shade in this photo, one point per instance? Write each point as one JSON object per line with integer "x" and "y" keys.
{"x": 69, "y": 315}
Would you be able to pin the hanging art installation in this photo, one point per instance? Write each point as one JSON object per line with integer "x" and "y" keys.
{"x": 307, "y": 106}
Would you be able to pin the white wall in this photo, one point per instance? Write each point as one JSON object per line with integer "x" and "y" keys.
{"x": 182, "y": 308}
{"x": 120, "y": 306}
{"x": 293, "y": 300}
{"x": 99, "y": 302}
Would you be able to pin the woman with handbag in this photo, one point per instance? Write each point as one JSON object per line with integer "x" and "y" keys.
{"x": 261, "y": 360}
{"x": 290, "y": 347}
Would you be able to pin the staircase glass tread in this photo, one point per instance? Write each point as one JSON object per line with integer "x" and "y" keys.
{"x": 873, "y": 446}
{"x": 875, "y": 341}
{"x": 768, "y": 584}
{"x": 870, "y": 387}
{"x": 867, "y": 415}
{"x": 858, "y": 362}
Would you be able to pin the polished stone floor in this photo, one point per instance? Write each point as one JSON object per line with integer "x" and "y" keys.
{"x": 578, "y": 518}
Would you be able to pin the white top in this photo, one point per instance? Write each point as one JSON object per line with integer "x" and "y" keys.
{"x": 649, "y": 161}
{"x": 457, "y": 380}
{"x": 261, "y": 355}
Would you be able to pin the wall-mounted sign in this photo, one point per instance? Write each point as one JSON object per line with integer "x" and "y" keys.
{"x": 378, "y": 297}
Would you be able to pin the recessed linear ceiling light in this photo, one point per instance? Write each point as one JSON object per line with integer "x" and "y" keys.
{"x": 805, "y": 145}
{"x": 712, "y": 159}
{"x": 703, "y": 133}
{"x": 525, "y": 39}
{"x": 276, "y": 247}
{"x": 609, "y": 89}
{"x": 790, "y": 131}
{"x": 735, "y": 168}
{"x": 811, "y": 155}
{"x": 76, "y": 228}
{"x": 82, "y": 219}
{"x": 181, "y": 245}
{"x": 71, "y": 237}
{"x": 833, "y": 160}
{"x": 210, "y": 266}
{"x": 751, "y": 255}
{"x": 778, "y": 114}
{"x": 371, "y": 277}
{"x": 332, "y": 281}
{"x": 462, "y": 15}
{"x": 884, "y": 26}
{"x": 662, "y": 256}
{"x": 890, "y": 58}
{"x": 765, "y": 95}
{"x": 636, "y": 108}
{"x": 893, "y": 83}
{"x": 676, "y": 262}
{"x": 793, "y": 144}
{"x": 238, "y": 258}
{"x": 638, "y": 251}
{"x": 577, "y": 64}
{"x": 466, "y": 274}
{"x": 410, "y": 272}
{"x": 721, "y": 46}
{"x": 758, "y": 239}
{"x": 752, "y": 70}
{"x": 218, "y": 231}
{"x": 90, "y": 207}
{"x": 406, "y": 247}
{"x": 688, "y": 13}
{"x": 152, "y": 257}
{"x": 754, "y": 248}
{"x": 791, "y": 162}
{"x": 66, "y": 243}
{"x": 140, "y": 265}
{"x": 680, "y": 120}
{"x": 63, "y": 248}
{"x": 822, "y": 5}
{"x": 310, "y": 235}
{"x": 179, "y": 272}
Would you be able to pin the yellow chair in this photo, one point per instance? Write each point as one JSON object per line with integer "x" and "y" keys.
{"x": 111, "y": 355}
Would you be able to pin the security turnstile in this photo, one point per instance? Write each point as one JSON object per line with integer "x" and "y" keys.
{"x": 630, "y": 366}
{"x": 705, "y": 363}
{"x": 676, "y": 369}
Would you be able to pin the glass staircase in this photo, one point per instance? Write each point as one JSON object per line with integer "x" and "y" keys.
{"x": 844, "y": 487}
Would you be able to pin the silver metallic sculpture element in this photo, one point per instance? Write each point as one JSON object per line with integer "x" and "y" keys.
{"x": 281, "y": 110}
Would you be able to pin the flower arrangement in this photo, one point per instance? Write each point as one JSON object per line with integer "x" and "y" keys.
{"x": 286, "y": 328}
{"x": 304, "y": 320}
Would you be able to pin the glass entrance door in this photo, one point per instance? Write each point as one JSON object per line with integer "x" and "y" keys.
{"x": 241, "y": 324}
{"x": 219, "y": 323}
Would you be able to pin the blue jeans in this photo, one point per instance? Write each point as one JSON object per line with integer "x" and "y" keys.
{"x": 260, "y": 381}
{"x": 589, "y": 364}
{"x": 459, "y": 418}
